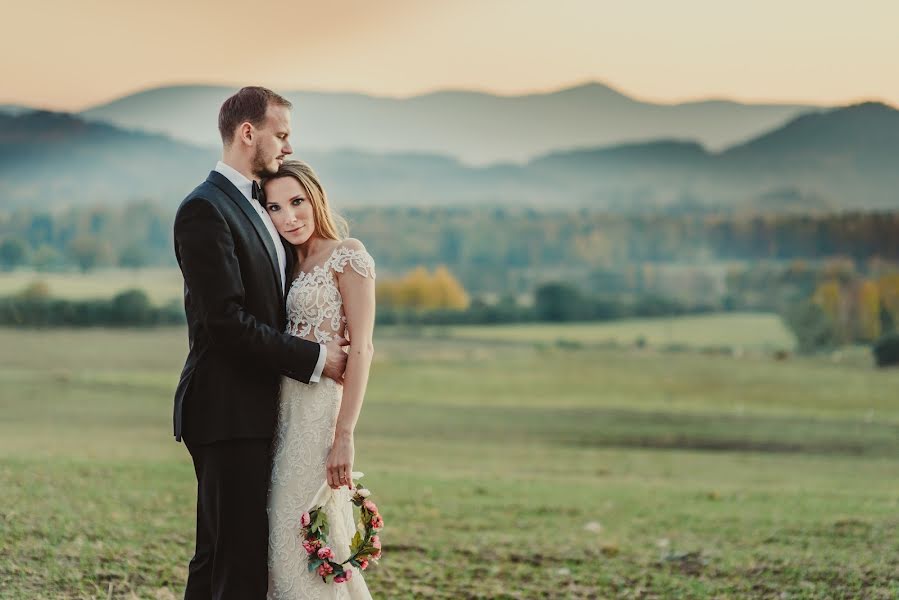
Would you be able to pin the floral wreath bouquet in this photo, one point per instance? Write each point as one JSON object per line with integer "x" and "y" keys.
{"x": 365, "y": 547}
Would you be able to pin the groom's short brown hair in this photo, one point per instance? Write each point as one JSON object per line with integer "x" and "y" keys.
{"x": 247, "y": 105}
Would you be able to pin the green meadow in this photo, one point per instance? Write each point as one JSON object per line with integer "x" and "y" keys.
{"x": 162, "y": 285}
{"x": 733, "y": 331}
{"x": 507, "y": 464}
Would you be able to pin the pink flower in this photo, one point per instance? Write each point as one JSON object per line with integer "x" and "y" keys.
{"x": 325, "y": 569}
{"x": 363, "y": 564}
{"x": 305, "y": 519}
{"x": 377, "y": 522}
{"x": 309, "y": 548}
{"x": 325, "y": 552}
{"x": 376, "y": 553}
{"x": 376, "y": 542}
{"x": 370, "y": 506}
{"x": 347, "y": 575}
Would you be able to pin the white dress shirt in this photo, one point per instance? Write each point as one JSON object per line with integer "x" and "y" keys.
{"x": 245, "y": 186}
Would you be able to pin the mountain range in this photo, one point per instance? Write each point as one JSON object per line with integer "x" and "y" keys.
{"x": 839, "y": 159}
{"x": 475, "y": 128}
{"x": 14, "y": 109}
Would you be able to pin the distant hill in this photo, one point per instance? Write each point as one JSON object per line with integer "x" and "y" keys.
{"x": 861, "y": 135}
{"x": 850, "y": 153}
{"x": 830, "y": 159}
{"x": 14, "y": 109}
{"x": 839, "y": 159}
{"x": 476, "y": 128}
{"x": 668, "y": 154}
{"x": 52, "y": 159}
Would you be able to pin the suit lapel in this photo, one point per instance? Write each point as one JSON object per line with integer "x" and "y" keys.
{"x": 221, "y": 182}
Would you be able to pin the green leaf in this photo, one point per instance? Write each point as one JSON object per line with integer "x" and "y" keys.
{"x": 356, "y": 543}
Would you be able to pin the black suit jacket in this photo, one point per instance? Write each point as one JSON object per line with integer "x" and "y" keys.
{"x": 236, "y": 319}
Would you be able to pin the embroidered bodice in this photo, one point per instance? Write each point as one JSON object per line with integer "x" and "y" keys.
{"x": 314, "y": 304}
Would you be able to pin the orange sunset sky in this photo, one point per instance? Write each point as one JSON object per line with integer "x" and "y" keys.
{"x": 68, "y": 55}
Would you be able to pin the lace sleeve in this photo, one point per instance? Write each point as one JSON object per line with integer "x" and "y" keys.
{"x": 360, "y": 260}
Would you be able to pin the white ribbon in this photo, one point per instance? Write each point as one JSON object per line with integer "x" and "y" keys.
{"x": 325, "y": 492}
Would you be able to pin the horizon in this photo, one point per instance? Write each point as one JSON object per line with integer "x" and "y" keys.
{"x": 803, "y": 52}
{"x": 849, "y": 101}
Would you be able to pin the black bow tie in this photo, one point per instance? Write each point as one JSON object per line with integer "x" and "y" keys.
{"x": 258, "y": 194}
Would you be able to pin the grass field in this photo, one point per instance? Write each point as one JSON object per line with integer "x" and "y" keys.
{"x": 759, "y": 331}
{"x": 162, "y": 285}
{"x": 504, "y": 469}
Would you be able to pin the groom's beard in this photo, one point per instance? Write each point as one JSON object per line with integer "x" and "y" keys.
{"x": 260, "y": 166}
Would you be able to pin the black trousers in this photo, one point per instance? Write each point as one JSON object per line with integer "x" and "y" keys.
{"x": 231, "y": 558}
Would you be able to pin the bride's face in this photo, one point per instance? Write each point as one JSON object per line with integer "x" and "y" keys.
{"x": 290, "y": 209}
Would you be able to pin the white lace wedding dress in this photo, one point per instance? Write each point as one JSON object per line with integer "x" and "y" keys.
{"x": 306, "y": 421}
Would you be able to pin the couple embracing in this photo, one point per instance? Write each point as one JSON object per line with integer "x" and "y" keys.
{"x": 280, "y": 309}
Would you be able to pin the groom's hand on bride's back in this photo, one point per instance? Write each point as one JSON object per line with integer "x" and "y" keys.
{"x": 335, "y": 363}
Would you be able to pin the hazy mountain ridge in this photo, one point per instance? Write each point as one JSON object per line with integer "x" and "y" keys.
{"x": 867, "y": 131}
{"x": 55, "y": 159}
{"x": 475, "y": 127}
{"x": 14, "y": 109}
{"x": 830, "y": 160}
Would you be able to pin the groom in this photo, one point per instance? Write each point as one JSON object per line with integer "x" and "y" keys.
{"x": 235, "y": 277}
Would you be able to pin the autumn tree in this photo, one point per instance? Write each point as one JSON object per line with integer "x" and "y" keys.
{"x": 888, "y": 287}
{"x": 868, "y": 311}
{"x": 420, "y": 290}
{"x": 829, "y": 297}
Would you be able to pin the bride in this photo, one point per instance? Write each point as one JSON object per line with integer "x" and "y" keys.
{"x": 332, "y": 296}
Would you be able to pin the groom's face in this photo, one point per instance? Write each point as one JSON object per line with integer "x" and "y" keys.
{"x": 272, "y": 143}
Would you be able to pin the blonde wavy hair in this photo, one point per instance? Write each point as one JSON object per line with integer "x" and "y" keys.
{"x": 328, "y": 224}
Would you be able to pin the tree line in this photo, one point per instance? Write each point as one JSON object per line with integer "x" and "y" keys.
{"x": 419, "y": 297}
{"x": 826, "y": 304}
{"x": 833, "y": 277}
{"x": 489, "y": 250}
{"x": 35, "y": 307}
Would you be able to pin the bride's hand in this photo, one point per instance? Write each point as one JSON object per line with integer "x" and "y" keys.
{"x": 339, "y": 467}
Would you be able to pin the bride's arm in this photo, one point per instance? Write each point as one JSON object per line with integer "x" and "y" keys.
{"x": 358, "y": 293}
